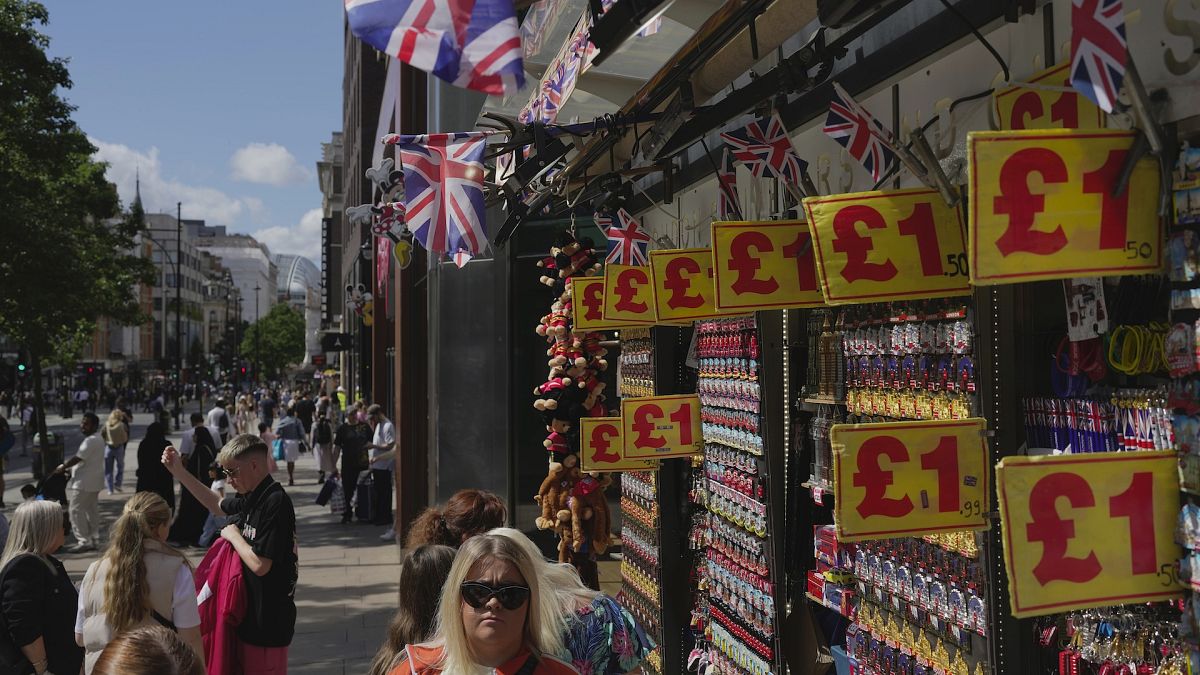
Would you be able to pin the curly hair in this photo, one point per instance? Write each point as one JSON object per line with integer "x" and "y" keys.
{"x": 126, "y": 586}
{"x": 467, "y": 513}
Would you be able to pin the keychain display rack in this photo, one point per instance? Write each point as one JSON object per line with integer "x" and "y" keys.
{"x": 641, "y": 562}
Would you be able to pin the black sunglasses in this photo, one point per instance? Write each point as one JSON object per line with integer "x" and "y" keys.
{"x": 477, "y": 595}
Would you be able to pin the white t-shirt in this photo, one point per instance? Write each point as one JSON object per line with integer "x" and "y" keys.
{"x": 88, "y": 476}
{"x": 385, "y": 433}
{"x": 184, "y": 611}
{"x": 214, "y": 421}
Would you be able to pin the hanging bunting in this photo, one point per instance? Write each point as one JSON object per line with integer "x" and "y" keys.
{"x": 444, "y": 196}
{"x": 727, "y": 199}
{"x": 475, "y": 46}
{"x": 855, "y": 129}
{"x": 556, "y": 86}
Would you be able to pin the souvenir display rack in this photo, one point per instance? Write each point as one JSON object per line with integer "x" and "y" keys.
{"x": 912, "y": 602}
{"x": 641, "y": 562}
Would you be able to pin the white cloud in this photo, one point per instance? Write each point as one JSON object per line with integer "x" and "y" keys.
{"x": 303, "y": 238}
{"x": 160, "y": 194}
{"x": 268, "y": 163}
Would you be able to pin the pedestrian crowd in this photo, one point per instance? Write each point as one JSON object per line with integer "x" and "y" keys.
{"x": 474, "y": 596}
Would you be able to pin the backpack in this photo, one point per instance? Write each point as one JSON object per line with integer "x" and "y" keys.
{"x": 324, "y": 432}
{"x": 116, "y": 435}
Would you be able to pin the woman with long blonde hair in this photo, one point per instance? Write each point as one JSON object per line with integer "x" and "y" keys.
{"x": 140, "y": 581}
{"x": 496, "y": 615}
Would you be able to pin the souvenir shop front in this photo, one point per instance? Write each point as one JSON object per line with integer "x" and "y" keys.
{"x": 925, "y": 408}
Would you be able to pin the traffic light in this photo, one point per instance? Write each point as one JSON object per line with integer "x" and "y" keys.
{"x": 21, "y": 367}
{"x": 243, "y": 370}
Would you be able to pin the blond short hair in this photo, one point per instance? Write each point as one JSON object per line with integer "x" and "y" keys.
{"x": 240, "y": 445}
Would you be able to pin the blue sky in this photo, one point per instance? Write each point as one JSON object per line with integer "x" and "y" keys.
{"x": 222, "y": 105}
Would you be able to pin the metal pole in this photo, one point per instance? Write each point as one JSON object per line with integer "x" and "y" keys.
{"x": 178, "y": 310}
{"x": 257, "y": 330}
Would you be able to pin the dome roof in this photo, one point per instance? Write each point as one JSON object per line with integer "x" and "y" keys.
{"x": 297, "y": 276}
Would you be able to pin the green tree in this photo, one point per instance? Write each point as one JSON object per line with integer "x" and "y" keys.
{"x": 66, "y": 260}
{"x": 276, "y": 340}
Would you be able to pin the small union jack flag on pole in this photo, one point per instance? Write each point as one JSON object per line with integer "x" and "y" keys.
{"x": 469, "y": 43}
{"x": 443, "y": 181}
{"x": 628, "y": 244}
{"x": 727, "y": 198}
{"x": 855, "y": 129}
{"x": 1098, "y": 49}
{"x": 765, "y": 149}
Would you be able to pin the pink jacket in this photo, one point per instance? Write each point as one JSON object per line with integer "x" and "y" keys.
{"x": 221, "y": 596}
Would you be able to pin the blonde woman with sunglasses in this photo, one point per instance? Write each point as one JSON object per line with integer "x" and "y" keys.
{"x": 497, "y": 615}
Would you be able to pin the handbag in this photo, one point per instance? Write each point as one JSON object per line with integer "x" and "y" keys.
{"x": 277, "y": 449}
{"x": 337, "y": 500}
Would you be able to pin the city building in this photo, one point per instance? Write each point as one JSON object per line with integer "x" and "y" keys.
{"x": 300, "y": 288}
{"x": 330, "y": 178}
{"x": 162, "y": 240}
{"x": 249, "y": 263}
{"x": 221, "y": 299}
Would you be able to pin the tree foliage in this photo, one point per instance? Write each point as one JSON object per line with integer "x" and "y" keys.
{"x": 276, "y": 340}
{"x": 66, "y": 260}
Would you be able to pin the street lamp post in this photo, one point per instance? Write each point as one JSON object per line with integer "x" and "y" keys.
{"x": 257, "y": 330}
{"x": 175, "y": 271}
{"x": 178, "y": 312}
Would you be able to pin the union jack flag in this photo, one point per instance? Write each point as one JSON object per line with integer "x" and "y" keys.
{"x": 1098, "y": 49}
{"x": 627, "y": 243}
{"x": 468, "y": 43}
{"x": 765, "y": 149}
{"x": 860, "y": 133}
{"x": 727, "y": 198}
{"x": 443, "y": 181}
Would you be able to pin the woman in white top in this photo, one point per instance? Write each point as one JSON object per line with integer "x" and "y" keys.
{"x": 140, "y": 581}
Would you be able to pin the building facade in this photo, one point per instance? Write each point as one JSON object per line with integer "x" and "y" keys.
{"x": 249, "y": 263}
{"x": 300, "y": 288}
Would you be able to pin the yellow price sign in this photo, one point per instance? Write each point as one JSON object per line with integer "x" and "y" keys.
{"x": 683, "y": 284}
{"x": 628, "y": 295}
{"x": 1088, "y": 530}
{"x": 587, "y": 304}
{"x": 888, "y": 245}
{"x": 658, "y": 427}
{"x": 602, "y": 447}
{"x": 900, "y": 479}
{"x": 764, "y": 265}
{"x": 1019, "y": 107}
{"x": 1042, "y": 207}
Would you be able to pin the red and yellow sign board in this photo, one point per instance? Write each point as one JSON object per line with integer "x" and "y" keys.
{"x": 899, "y": 479}
{"x": 764, "y": 265}
{"x": 602, "y": 447}
{"x": 683, "y": 284}
{"x": 1019, "y": 107}
{"x": 888, "y": 245}
{"x": 1088, "y": 530}
{"x": 587, "y": 303}
{"x": 658, "y": 427}
{"x": 628, "y": 295}
{"x": 1042, "y": 207}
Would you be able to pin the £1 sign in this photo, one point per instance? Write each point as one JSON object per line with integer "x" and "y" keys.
{"x": 1088, "y": 530}
{"x": 1022, "y": 107}
{"x": 683, "y": 284}
{"x": 587, "y": 305}
{"x": 888, "y": 245}
{"x": 658, "y": 427}
{"x": 628, "y": 295}
{"x": 900, "y": 479}
{"x": 1042, "y": 207}
{"x": 602, "y": 447}
{"x": 764, "y": 265}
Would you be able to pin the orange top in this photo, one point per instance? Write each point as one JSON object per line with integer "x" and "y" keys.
{"x": 419, "y": 660}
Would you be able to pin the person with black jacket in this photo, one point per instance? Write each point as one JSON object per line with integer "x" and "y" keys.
{"x": 152, "y": 476}
{"x": 352, "y": 439}
{"x": 37, "y": 599}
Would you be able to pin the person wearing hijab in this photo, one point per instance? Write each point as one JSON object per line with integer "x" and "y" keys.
{"x": 189, "y": 524}
{"x": 152, "y": 476}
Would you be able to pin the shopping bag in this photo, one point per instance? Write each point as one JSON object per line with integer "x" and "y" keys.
{"x": 277, "y": 449}
{"x": 337, "y": 498}
{"x": 326, "y": 492}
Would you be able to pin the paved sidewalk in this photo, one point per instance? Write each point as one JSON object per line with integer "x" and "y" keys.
{"x": 347, "y": 591}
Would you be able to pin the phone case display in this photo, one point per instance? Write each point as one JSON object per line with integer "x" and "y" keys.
{"x": 736, "y": 603}
{"x": 916, "y": 605}
{"x": 641, "y": 570}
